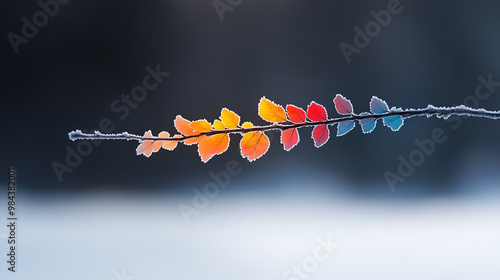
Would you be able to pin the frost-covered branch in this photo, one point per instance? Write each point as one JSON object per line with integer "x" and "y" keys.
{"x": 213, "y": 138}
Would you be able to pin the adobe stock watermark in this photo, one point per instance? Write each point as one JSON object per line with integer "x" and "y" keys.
{"x": 121, "y": 107}
{"x": 425, "y": 148}
{"x": 223, "y": 6}
{"x": 322, "y": 252}
{"x": 211, "y": 190}
{"x": 372, "y": 29}
{"x": 30, "y": 27}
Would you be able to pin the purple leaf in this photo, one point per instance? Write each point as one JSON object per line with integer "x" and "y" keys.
{"x": 378, "y": 106}
{"x": 343, "y": 105}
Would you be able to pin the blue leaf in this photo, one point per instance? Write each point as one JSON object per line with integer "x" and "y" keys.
{"x": 344, "y": 127}
{"x": 368, "y": 124}
{"x": 394, "y": 122}
{"x": 378, "y": 106}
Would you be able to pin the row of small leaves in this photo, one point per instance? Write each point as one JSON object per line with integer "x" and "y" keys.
{"x": 213, "y": 138}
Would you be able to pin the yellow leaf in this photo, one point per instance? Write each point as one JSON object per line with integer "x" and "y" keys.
{"x": 271, "y": 112}
{"x": 201, "y": 126}
{"x": 219, "y": 125}
{"x": 229, "y": 118}
{"x": 247, "y": 125}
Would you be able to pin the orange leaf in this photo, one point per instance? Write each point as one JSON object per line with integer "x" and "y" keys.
{"x": 146, "y": 146}
{"x": 164, "y": 134}
{"x": 289, "y": 138}
{"x": 157, "y": 144}
{"x": 183, "y": 126}
{"x": 219, "y": 125}
{"x": 271, "y": 112}
{"x": 201, "y": 126}
{"x": 169, "y": 145}
{"x": 209, "y": 146}
{"x": 254, "y": 145}
{"x": 229, "y": 118}
{"x": 191, "y": 141}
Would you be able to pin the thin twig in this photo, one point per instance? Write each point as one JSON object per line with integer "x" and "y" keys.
{"x": 440, "y": 112}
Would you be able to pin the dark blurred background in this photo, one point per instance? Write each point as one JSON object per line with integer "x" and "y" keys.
{"x": 91, "y": 52}
{"x": 109, "y": 205}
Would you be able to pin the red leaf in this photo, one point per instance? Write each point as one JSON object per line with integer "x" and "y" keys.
{"x": 316, "y": 112}
{"x": 296, "y": 114}
{"x": 343, "y": 105}
{"x": 320, "y": 134}
{"x": 289, "y": 138}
